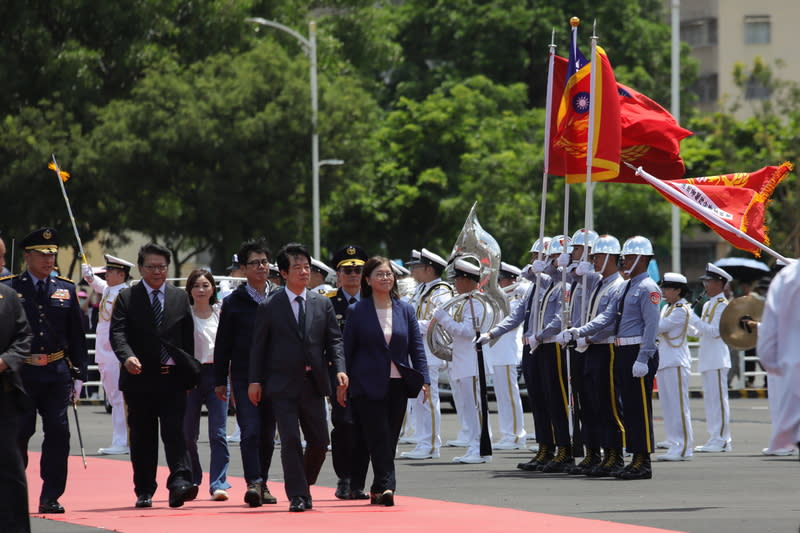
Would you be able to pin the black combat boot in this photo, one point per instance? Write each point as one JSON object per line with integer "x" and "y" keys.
{"x": 562, "y": 462}
{"x": 591, "y": 460}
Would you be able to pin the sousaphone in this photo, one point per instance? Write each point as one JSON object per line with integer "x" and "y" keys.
{"x": 731, "y": 327}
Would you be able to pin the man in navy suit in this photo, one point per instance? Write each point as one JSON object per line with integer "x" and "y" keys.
{"x": 152, "y": 334}
{"x": 295, "y": 337}
{"x": 58, "y": 357}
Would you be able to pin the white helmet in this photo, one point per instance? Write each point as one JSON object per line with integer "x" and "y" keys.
{"x": 637, "y": 245}
{"x": 558, "y": 245}
{"x": 606, "y": 244}
{"x": 537, "y": 247}
{"x": 581, "y": 237}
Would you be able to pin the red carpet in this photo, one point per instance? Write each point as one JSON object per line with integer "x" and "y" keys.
{"x": 102, "y": 496}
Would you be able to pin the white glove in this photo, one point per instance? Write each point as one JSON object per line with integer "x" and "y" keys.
{"x": 538, "y": 266}
{"x": 639, "y": 369}
{"x": 483, "y": 339}
{"x": 440, "y": 314}
{"x": 563, "y": 260}
{"x": 77, "y": 386}
{"x": 582, "y": 344}
{"x": 86, "y": 271}
{"x": 528, "y": 273}
{"x": 532, "y": 342}
{"x": 567, "y": 336}
{"x": 583, "y": 268}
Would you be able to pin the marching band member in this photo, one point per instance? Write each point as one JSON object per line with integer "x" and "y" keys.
{"x": 674, "y": 367}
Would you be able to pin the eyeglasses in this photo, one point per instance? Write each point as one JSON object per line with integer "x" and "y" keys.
{"x": 349, "y": 271}
{"x": 382, "y": 275}
{"x": 255, "y": 263}
{"x": 156, "y": 268}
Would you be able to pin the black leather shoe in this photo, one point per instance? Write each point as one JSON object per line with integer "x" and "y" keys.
{"x": 387, "y": 498}
{"x": 358, "y": 495}
{"x": 180, "y": 494}
{"x": 343, "y": 489}
{"x": 192, "y": 494}
{"x": 639, "y": 468}
{"x": 252, "y": 495}
{"x": 266, "y": 495}
{"x": 308, "y": 502}
{"x": 374, "y": 498}
{"x": 50, "y": 507}
{"x": 144, "y": 500}
{"x": 297, "y": 504}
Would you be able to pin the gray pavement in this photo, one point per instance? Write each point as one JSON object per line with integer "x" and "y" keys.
{"x": 741, "y": 491}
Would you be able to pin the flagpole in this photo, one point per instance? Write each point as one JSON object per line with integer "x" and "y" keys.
{"x": 69, "y": 208}
{"x": 712, "y": 216}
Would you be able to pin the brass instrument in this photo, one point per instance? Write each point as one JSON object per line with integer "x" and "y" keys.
{"x": 732, "y": 328}
{"x": 475, "y": 243}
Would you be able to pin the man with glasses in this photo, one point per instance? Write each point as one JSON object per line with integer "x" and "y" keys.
{"x": 232, "y": 357}
{"x": 348, "y": 448}
{"x": 152, "y": 334}
{"x": 58, "y": 355}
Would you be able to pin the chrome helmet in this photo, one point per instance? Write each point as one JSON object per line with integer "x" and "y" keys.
{"x": 606, "y": 244}
{"x": 558, "y": 245}
{"x": 581, "y": 237}
{"x": 637, "y": 245}
{"x": 537, "y": 247}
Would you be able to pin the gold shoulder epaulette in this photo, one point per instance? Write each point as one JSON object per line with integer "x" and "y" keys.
{"x": 331, "y": 294}
{"x": 10, "y": 276}
{"x": 720, "y": 299}
{"x": 678, "y": 305}
{"x": 62, "y": 278}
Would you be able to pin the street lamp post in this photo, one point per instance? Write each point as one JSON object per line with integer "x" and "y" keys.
{"x": 310, "y": 49}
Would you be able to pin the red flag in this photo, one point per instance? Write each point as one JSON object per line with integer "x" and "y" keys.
{"x": 651, "y": 137}
{"x": 559, "y": 79}
{"x": 573, "y": 123}
{"x": 738, "y": 199}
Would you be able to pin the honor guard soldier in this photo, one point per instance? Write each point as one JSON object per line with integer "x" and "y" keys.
{"x": 714, "y": 361}
{"x": 636, "y": 358}
{"x": 674, "y": 366}
{"x": 506, "y": 355}
{"x": 235, "y": 270}
{"x": 348, "y": 448}
{"x": 602, "y": 402}
{"x": 528, "y": 314}
{"x": 319, "y": 273}
{"x": 432, "y": 292}
{"x": 117, "y": 274}
{"x": 56, "y": 368}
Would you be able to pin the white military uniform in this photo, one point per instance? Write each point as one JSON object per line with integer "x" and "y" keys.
{"x": 714, "y": 363}
{"x": 428, "y": 415}
{"x": 506, "y": 355}
{"x": 778, "y": 339}
{"x": 674, "y": 367}
{"x": 109, "y": 365}
{"x": 464, "y": 373}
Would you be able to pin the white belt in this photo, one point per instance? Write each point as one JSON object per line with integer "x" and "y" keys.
{"x": 549, "y": 340}
{"x": 609, "y": 340}
{"x": 627, "y": 341}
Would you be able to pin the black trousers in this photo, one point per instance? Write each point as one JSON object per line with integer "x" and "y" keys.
{"x": 637, "y": 399}
{"x": 602, "y": 408}
{"x": 154, "y": 411}
{"x": 379, "y": 422}
{"x": 306, "y": 412}
{"x": 348, "y": 448}
{"x": 532, "y": 371}
{"x": 554, "y": 380}
{"x": 50, "y": 400}
{"x": 13, "y": 483}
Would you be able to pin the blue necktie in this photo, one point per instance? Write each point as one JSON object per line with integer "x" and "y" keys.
{"x": 301, "y": 315}
{"x": 158, "y": 316}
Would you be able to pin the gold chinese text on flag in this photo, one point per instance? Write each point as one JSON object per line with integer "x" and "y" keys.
{"x": 740, "y": 199}
{"x": 63, "y": 174}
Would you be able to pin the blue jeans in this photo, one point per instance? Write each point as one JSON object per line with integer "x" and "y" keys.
{"x": 257, "y": 425}
{"x": 217, "y": 419}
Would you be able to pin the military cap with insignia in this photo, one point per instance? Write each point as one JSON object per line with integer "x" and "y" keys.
{"x": 414, "y": 258}
{"x": 674, "y": 280}
{"x": 234, "y": 263}
{"x": 43, "y": 240}
{"x": 466, "y": 269}
{"x": 426, "y": 257}
{"x": 350, "y": 255}
{"x": 508, "y": 271}
{"x": 399, "y": 270}
{"x": 715, "y": 272}
{"x": 116, "y": 262}
{"x": 321, "y": 267}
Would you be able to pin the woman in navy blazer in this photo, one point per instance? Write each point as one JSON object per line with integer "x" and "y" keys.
{"x": 381, "y": 336}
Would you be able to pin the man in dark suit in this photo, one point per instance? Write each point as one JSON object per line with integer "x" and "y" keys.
{"x": 152, "y": 334}
{"x": 15, "y": 346}
{"x": 54, "y": 372}
{"x": 295, "y": 337}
